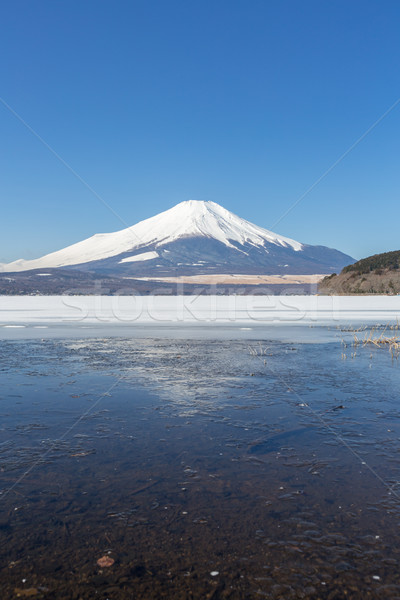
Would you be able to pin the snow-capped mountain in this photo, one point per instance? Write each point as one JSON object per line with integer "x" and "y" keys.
{"x": 193, "y": 237}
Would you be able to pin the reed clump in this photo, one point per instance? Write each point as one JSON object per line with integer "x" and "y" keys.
{"x": 381, "y": 339}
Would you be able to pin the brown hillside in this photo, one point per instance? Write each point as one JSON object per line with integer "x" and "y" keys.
{"x": 378, "y": 274}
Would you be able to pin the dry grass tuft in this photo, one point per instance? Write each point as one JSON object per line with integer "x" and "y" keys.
{"x": 382, "y": 340}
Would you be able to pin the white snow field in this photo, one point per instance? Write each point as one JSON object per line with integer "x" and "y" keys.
{"x": 140, "y": 257}
{"x": 201, "y": 310}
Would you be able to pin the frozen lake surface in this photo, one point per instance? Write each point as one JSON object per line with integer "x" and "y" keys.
{"x": 167, "y": 310}
{"x": 212, "y": 465}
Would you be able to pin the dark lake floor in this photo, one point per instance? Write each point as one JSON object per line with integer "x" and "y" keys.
{"x": 203, "y": 468}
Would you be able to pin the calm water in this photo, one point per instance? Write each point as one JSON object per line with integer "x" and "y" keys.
{"x": 203, "y": 468}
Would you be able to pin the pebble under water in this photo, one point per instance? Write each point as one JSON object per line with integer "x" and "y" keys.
{"x": 198, "y": 469}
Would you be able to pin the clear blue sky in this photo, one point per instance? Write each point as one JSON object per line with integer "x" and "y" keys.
{"x": 243, "y": 102}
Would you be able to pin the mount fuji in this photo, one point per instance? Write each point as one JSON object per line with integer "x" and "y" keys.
{"x": 194, "y": 237}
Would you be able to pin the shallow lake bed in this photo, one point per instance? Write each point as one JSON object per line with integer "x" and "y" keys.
{"x": 204, "y": 468}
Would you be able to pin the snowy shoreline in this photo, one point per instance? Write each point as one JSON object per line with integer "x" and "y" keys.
{"x": 174, "y": 310}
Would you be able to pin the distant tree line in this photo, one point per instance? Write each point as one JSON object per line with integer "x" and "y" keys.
{"x": 377, "y": 262}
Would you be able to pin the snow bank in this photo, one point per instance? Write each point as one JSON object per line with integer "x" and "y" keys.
{"x": 17, "y": 310}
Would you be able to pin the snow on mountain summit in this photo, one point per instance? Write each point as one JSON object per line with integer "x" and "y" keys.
{"x": 208, "y": 219}
{"x": 192, "y": 218}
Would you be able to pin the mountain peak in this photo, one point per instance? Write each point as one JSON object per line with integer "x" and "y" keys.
{"x": 194, "y": 233}
{"x": 193, "y": 202}
{"x": 207, "y": 219}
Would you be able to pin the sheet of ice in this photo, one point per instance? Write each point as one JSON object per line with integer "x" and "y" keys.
{"x": 160, "y": 311}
